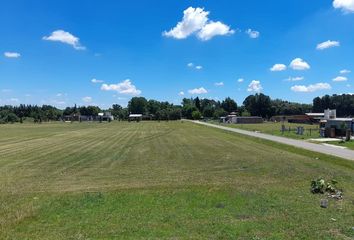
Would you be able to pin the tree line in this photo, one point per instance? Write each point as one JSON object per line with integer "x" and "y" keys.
{"x": 191, "y": 108}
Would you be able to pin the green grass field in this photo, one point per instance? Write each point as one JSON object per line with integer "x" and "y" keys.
{"x": 167, "y": 180}
{"x": 275, "y": 129}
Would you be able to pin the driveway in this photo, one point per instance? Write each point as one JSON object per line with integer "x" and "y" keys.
{"x": 337, "y": 152}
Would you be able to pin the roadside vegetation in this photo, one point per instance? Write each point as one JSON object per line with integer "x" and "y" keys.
{"x": 275, "y": 128}
{"x": 194, "y": 108}
{"x": 164, "y": 180}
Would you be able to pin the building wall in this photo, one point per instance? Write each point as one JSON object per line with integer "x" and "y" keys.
{"x": 249, "y": 120}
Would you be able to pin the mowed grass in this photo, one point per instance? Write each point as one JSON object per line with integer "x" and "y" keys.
{"x": 274, "y": 128}
{"x": 167, "y": 180}
{"x": 349, "y": 144}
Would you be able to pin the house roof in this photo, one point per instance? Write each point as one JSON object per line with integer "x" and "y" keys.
{"x": 315, "y": 114}
{"x": 135, "y": 115}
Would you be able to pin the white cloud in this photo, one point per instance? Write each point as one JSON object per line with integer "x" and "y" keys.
{"x": 344, "y": 71}
{"x": 125, "y": 87}
{"x": 87, "y": 99}
{"x": 96, "y": 81}
{"x": 12, "y": 54}
{"x": 196, "y": 21}
{"x": 213, "y": 29}
{"x": 181, "y": 93}
{"x": 252, "y": 33}
{"x": 327, "y": 44}
{"x": 346, "y": 6}
{"x": 65, "y": 37}
{"x": 219, "y": 84}
{"x": 192, "y": 65}
{"x": 294, "y": 79}
{"x": 255, "y": 86}
{"x": 299, "y": 64}
{"x": 240, "y": 80}
{"x": 340, "y": 79}
{"x": 311, "y": 88}
{"x": 200, "y": 90}
{"x": 278, "y": 67}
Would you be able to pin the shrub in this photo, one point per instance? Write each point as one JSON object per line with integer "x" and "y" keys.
{"x": 196, "y": 115}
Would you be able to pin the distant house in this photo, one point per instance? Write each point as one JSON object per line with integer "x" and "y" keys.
{"x": 135, "y": 117}
{"x": 105, "y": 116}
{"x": 249, "y": 120}
{"x": 77, "y": 117}
{"x": 233, "y": 118}
{"x": 331, "y": 126}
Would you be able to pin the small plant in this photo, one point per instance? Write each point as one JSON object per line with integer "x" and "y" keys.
{"x": 320, "y": 186}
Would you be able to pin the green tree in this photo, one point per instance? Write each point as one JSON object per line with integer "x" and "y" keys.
{"x": 197, "y": 103}
{"x": 196, "y": 115}
{"x": 229, "y": 105}
{"x": 258, "y": 105}
{"x": 138, "y": 105}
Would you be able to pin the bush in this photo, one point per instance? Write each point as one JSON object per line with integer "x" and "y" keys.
{"x": 321, "y": 186}
{"x": 8, "y": 117}
{"x": 196, "y": 115}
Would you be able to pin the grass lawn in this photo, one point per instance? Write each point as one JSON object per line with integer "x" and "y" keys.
{"x": 311, "y": 131}
{"x": 167, "y": 180}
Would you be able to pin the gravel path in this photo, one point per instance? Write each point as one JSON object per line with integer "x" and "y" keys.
{"x": 342, "y": 153}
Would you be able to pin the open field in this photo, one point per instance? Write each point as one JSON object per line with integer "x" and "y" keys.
{"x": 167, "y": 180}
{"x": 311, "y": 131}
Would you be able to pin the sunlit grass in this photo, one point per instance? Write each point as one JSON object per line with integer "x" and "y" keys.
{"x": 167, "y": 180}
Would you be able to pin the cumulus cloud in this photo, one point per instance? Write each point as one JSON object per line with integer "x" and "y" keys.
{"x": 12, "y": 54}
{"x": 199, "y": 67}
{"x": 181, "y": 93}
{"x": 252, "y": 33}
{"x": 344, "y": 71}
{"x": 213, "y": 29}
{"x": 96, "y": 81}
{"x": 327, "y": 44}
{"x": 190, "y": 65}
{"x": 278, "y": 67}
{"x": 340, "y": 79}
{"x": 196, "y": 91}
{"x": 65, "y": 37}
{"x": 299, "y": 64}
{"x": 87, "y": 99}
{"x": 311, "y": 88}
{"x": 219, "y": 84}
{"x": 240, "y": 80}
{"x": 255, "y": 86}
{"x": 196, "y": 21}
{"x": 346, "y": 6}
{"x": 125, "y": 87}
{"x": 294, "y": 79}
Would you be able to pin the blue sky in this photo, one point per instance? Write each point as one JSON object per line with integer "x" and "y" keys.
{"x": 166, "y": 50}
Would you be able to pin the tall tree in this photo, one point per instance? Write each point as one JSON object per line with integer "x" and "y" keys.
{"x": 138, "y": 105}
{"x": 197, "y": 103}
{"x": 258, "y": 105}
{"x": 229, "y": 105}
